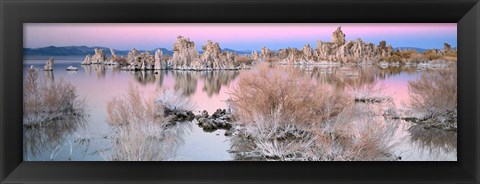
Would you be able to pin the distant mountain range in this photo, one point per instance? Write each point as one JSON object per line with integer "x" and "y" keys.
{"x": 84, "y": 50}
{"x": 78, "y": 51}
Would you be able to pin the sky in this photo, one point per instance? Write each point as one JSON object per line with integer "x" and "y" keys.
{"x": 239, "y": 37}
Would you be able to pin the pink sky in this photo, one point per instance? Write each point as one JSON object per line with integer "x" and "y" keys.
{"x": 236, "y": 36}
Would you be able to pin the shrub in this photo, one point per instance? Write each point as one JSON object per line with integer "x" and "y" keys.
{"x": 393, "y": 58}
{"x": 133, "y": 108}
{"x": 288, "y": 116}
{"x": 435, "y": 95}
{"x": 356, "y": 135}
{"x": 432, "y": 55}
{"x": 294, "y": 98}
{"x": 142, "y": 133}
{"x": 45, "y": 102}
{"x": 145, "y": 141}
{"x": 244, "y": 59}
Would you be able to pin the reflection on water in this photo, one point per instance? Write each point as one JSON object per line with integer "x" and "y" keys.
{"x": 185, "y": 82}
{"x": 49, "y": 76}
{"x": 147, "y": 142}
{"x": 209, "y": 89}
{"x": 434, "y": 143}
{"x": 214, "y": 80}
{"x": 242, "y": 149}
{"x": 41, "y": 140}
{"x": 144, "y": 77}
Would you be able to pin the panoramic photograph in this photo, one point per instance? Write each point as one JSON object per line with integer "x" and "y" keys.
{"x": 240, "y": 92}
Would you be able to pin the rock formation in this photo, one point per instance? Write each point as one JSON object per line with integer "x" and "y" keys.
{"x": 338, "y": 37}
{"x": 336, "y": 51}
{"x": 49, "y": 65}
{"x": 86, "y": 61}
{"x": 184, "y": 53}
{"x": 146, "y": 60}
{"x": 255, "y": 56}
{"x": 307, "y": 53}
{"x": 113, "y": 57}
{"x": 185, "y": 56}
{"x": 132, "y": 56}
{"x": 99, "y": 56}
{"x": 266, "y": 54}
{"x": 290, "y": 55}
{"x": 142, "y": 61}
{"x": 447, "y": 47}
{"x": 160, "y": 62}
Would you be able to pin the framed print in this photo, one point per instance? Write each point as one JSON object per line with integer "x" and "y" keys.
{"x": 295, "y": 92}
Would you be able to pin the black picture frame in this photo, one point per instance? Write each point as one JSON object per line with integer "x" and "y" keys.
{"x": 14, "y": 13}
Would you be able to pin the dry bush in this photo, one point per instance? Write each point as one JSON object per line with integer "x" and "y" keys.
{"x": 435, "y": 94}
{"x": 288, "y": 116}
{"x": 244, "y": 59}
{"x": 172, "y": 100}
{"x": 450, "y": 58}
{"x": 347, "y": 137}
{"x": 44, "y": 101}
{"x": 133, "y": 108}
{"x": 431, "y": 55}
{"x": 140, "y": 142}
{"x": 276, "y": 140}
{"x": 271, "y": 59}
{"x": 404, "y": 54}
{"x": 293, "y": 97}
{"x": 356, "y": 135}
{"x": 393, "y": 58}
{"x": 417, "y": 58}
{"x": 451, "y": 54}
{"x": 141, "y": 130}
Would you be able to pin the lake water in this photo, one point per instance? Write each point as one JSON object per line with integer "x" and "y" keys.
{"x": 97, "y": 84}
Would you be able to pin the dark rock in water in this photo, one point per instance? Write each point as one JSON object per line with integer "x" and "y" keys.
{"x": 218, "y": 113}
{"x": 204, "y": 114}
{"x": 229, "y": 132}
{"x": 178, "y": 115}
{"x": 220, "y": 119}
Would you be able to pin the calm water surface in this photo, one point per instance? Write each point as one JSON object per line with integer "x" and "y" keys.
{"x": 98, "y": 84}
